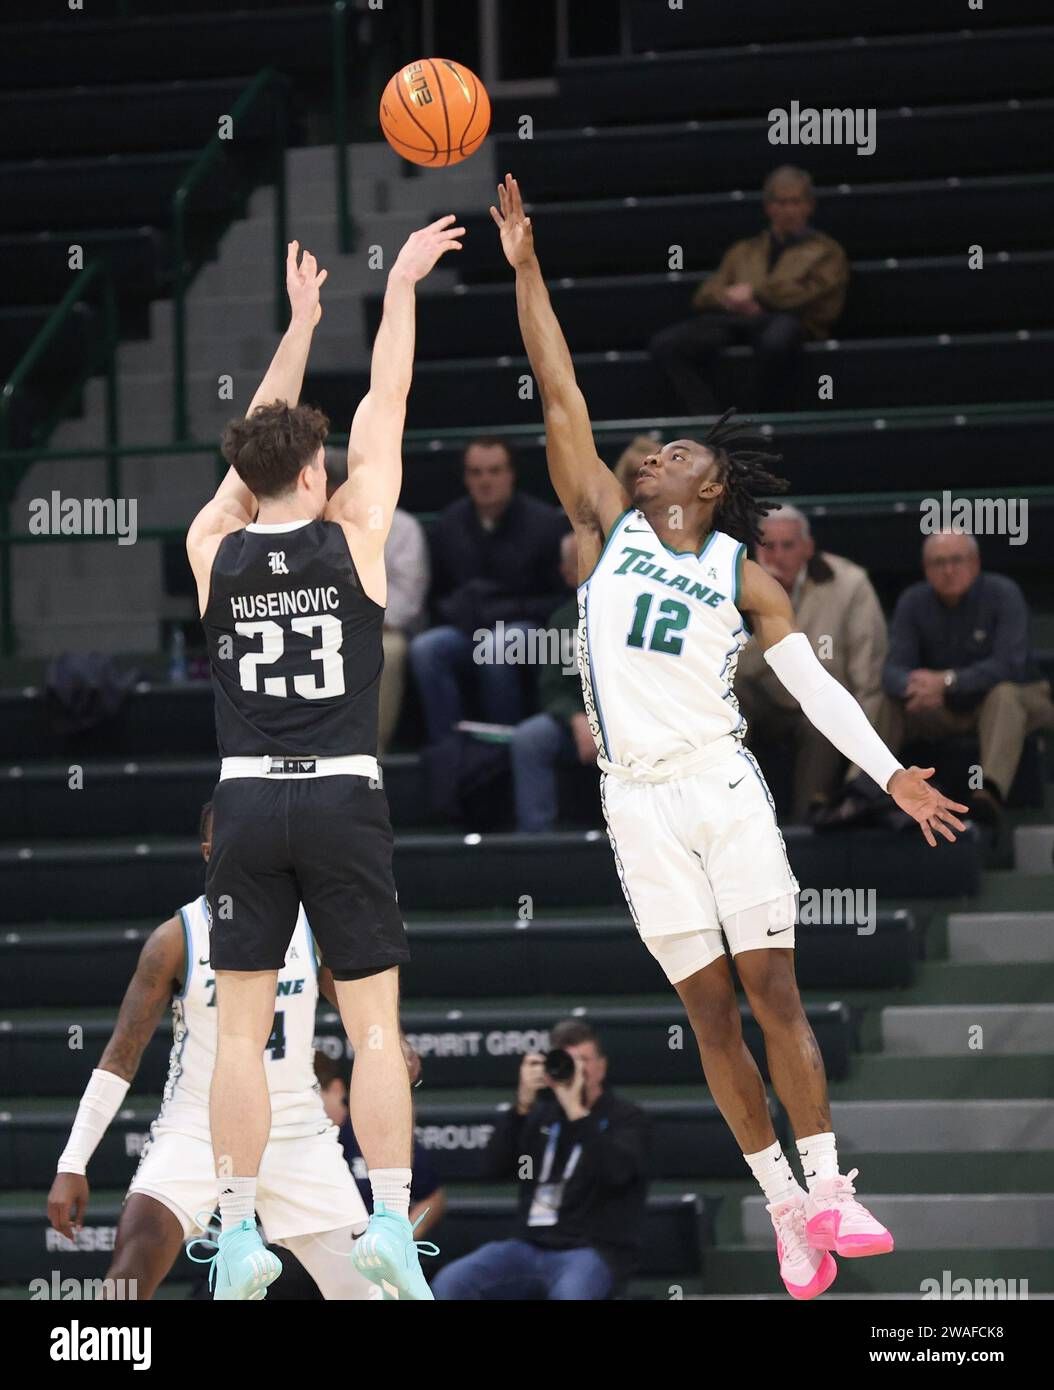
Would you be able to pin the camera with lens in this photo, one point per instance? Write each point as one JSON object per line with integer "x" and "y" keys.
{"x": 559, "y": 1065}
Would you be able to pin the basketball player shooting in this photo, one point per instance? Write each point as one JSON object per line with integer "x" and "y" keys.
{"x": 291, "y": 591}
{"x": 666, "y": 595}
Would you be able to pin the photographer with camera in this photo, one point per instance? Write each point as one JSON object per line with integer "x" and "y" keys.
{"x": 579, "y": 1154}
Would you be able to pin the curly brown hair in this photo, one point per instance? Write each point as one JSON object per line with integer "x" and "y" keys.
{"x": 269, "y": 447}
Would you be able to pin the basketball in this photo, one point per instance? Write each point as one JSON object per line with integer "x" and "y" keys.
{"x": 435, "y": 112}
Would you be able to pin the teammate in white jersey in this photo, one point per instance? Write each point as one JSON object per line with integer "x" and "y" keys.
{"x": 307, "y": 1199}
{"x": 665, "y": 600}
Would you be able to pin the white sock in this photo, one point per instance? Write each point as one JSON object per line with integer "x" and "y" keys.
{"x": 392, "y": 1187}
{"x": 237, "y": 1202}
{"x": 774, "y": 1174}
{"x": 819, "y": 1158}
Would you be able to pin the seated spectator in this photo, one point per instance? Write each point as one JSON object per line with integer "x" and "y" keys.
{"x": 631, "y": 458}
{"x": 838, "y": 610}
{"x": 578, "y": 1152}
{"x": 406, "y": 565}
{"x": 560, "y": 733}
{"x": 495, "y": 569}
{"x": 960, "y": 661}
{"x": 427, "y": 1198}
{"x": 772, "y": 291}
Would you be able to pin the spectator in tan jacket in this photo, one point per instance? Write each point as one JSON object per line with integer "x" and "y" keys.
{"x": 838, "y": 610}
{"x": 773, "y": 291}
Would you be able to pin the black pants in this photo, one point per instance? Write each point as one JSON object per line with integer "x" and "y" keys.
{"x": 687, "y": 352}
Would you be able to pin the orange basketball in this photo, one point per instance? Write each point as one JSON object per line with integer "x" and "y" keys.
{"x": 435, "y": 112}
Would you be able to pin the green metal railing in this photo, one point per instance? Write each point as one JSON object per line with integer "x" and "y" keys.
{"x": 14, "y": 463}
{"x": 217, "y": 149}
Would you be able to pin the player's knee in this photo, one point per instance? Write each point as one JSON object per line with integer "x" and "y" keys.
{"x": 717, "y": 1027}
{"x": 771, "y": 989}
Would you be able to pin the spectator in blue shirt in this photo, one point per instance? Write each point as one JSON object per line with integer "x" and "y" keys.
{"x": 495, "y": 559}
{"x": 960, "y": 662}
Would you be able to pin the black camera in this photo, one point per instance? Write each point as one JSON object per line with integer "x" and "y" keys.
{"x": 559, "y": 1065}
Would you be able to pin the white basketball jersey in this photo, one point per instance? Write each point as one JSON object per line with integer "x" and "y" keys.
{"x": 658, "y": 641}
{"x": 296, "y": 1106}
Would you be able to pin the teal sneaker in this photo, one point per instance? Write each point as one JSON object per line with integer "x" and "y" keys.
{"x": 241, "y": 1265}
{"x": 387, "y": 1254}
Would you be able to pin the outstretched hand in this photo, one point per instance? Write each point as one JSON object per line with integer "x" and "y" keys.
{"x": 423, "y": 248}
{"x": 517, "y": 237}
{"x": 304, "y": 282}
{"x": 910, "y": 789}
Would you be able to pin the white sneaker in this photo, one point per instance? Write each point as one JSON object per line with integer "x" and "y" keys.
{"x": 806, "y": 1272}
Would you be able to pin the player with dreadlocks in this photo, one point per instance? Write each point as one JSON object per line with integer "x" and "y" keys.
{"x": 666, "y": 597}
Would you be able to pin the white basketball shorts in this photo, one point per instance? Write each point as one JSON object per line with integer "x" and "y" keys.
{"x": 698, "y": 857}
{"x": 304, "y": 1184}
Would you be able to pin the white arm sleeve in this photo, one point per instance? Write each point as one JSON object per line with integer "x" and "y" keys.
{"x": 100, "y": 1103}
{"x": 830, "y": 708}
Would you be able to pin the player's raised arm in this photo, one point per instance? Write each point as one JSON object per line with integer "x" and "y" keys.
{"x": 162, "y": 964}
{"x": 365, "y": 503}
{"x": 830, "y": 708}
{"x": 589, "y": 491}
{"x": 233, "y": 505}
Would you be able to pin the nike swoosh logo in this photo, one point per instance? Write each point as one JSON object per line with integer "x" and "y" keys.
{"x": 770, "y": 932}
{"x": 636, "y": 530}
{"x": 733, "y": 785}
{"x": 206, "y": 961}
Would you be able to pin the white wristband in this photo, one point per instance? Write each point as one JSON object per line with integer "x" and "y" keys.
{"x": 830, "y": 708}
{"x": 100, "y": 1103}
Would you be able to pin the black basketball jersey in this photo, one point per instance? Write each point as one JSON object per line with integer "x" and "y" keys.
{"x": 295, "y": 645}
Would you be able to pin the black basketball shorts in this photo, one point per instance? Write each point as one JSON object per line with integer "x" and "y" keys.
{"x": 322, "y": 841}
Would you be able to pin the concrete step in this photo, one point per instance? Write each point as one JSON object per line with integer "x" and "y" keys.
{"x": 980, "y": 1076}
{"x": 957, "y": 982}
{"x": 1005, "y": 1170}
{"x": 952, "y": 1221}
{"x": 959, "y": 1030}
{"x": 940, "y": 1126}
{"x": 1001, "y": 937}
{"x": 1005, "y": 890}
{"x": 1034, "y": 849}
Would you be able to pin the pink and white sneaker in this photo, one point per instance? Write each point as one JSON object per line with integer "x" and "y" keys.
{"x": 834, "y": 1220}
{"x": 806, "y": 1272}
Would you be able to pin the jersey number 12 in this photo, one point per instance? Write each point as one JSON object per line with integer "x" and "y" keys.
{"x": 674, "y": 618}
